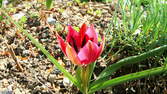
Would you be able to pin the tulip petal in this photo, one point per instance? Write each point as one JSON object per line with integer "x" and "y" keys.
{"x": 72, "y": 55}
{"x": 73, "y": 38}
{"x": 88, "y": 53}
{"x": 82, "y": 33}
{"x": 92, "y": 34}
{"x": 61, "y": 43}
{"x": 72, "y": 34}
{"x": 100, "y": 50}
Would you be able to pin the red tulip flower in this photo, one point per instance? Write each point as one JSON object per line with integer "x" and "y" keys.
{"x": 82, "y": 47}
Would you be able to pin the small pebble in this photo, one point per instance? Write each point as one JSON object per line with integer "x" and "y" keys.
{"x": 52, "y": 77}
{"x": 67, "y": 82}
{"x": 51, "y": 20}
{"x": 18, "y": 16}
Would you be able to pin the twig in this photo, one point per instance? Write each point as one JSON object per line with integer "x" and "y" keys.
{"x": 20, "y": 68}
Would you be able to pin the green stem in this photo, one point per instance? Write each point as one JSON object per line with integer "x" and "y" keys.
{"x": 85, "y": 79}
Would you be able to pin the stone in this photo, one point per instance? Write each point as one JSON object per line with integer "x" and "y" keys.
{"x": 51, "y": 20}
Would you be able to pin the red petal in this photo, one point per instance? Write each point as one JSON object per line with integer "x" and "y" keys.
{"x": 61, "y": 43}
{"x": 72, "y": 55}
{"x": 100, "y": 50}
{"x": 92, "y": 34}
{"x": 82, "y": 33}
{"x": 73, "y": 37}
{"x": 88, "y": 53}
{"x": 71, "y": 33}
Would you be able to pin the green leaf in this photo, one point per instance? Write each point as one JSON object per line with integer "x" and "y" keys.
{"x": 129, "y": 77}
{"x": 78, "y": 75}
{"x": 129, "y": 60}
{"x": 22, "y": 20}
{"x": 91, "y": 68}
{"x": 106, "y": 0}
{"x": 38, "y": 45}
{"x": 1, "y": 1}
{"x": 49, "y": 3}
{"x": 1, "y": 17}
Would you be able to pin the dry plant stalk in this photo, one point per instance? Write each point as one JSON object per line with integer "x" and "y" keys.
{"x": 20, "y": 68}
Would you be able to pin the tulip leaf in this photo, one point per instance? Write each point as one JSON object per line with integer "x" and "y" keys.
{"x": 48, "y": 3}
{"x": 128, "y": 77}
{"x": 105, "y": 74}
{"x": 50, "y": 57}
{"x": 78, "y": 74}
{"x": 91, "y": 68}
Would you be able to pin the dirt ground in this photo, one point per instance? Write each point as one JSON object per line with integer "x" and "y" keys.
{"x": 25, "y": 70}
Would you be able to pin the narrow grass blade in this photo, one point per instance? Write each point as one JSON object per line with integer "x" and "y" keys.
{"x": 129, "y": 60}
{"x": 129, "y": 77}
{"x": 50, "y": 57}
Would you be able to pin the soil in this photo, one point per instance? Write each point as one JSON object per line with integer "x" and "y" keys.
{"x": 28, "y": 71}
